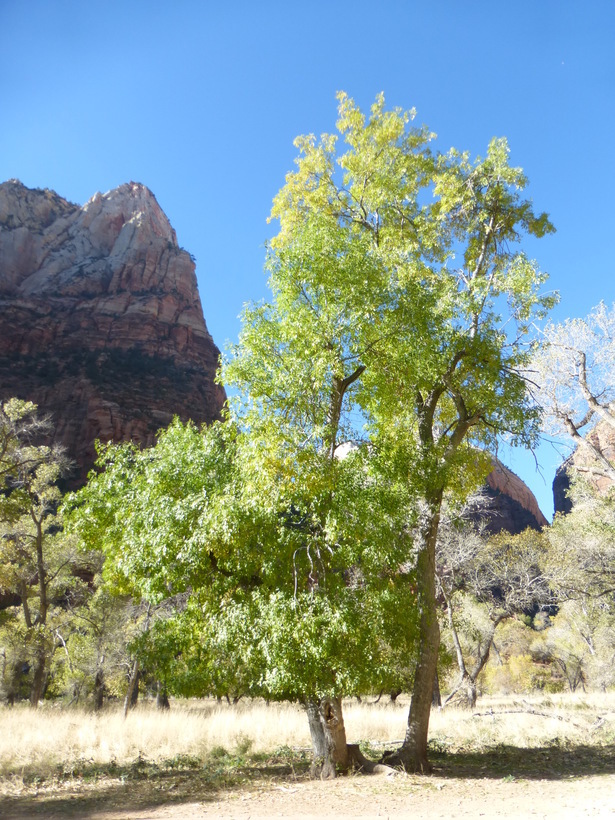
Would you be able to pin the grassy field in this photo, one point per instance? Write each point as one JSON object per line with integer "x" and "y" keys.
{"x": 207, "y": 746}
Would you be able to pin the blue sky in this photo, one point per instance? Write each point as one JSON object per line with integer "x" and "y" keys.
{"x": 201, "y": 101}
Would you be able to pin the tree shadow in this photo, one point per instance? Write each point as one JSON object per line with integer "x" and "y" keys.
{"x": 551, "y": 762}
{"x": 144, "y": 786}
{"x": 141, "y": 788}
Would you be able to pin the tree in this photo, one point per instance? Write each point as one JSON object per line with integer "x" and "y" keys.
{"x": 580, "y": 643}
{"x": 573, "y": 368}
{"x": 277, "y": 606}
{"x": 36, "y": 559}
{"x": 500, "y": 573}
{"x": 388, "y": 274}
{"x": 399, "y": 302}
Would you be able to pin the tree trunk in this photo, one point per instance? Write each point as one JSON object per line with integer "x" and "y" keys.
{"x": 162, "y": 698}
{"x": 328, "y": 735}
{"x": 471, "y": 693}
{"x": 38, "y": 679}
{"x": 129, "y": 700}
{"x": 436, "y": 698}
{"x": 99, "y": 689}
{"x": 134, "y": 695}
{"x": 413, "y": 753}
{"x": 467, "y": 679}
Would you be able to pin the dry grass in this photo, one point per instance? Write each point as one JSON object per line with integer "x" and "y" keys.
{"x": 54, "y": 741}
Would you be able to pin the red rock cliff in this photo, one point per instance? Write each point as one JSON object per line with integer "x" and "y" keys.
{"x": 510, "y": 504}
{"x": 100, "y": 318}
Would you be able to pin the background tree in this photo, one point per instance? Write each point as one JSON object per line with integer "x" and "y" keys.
{"x": 36, "y": 559}
{"x": 95, "y": 659}
{"x": 580, "y": 644}
{"x": 573, "y": 368}
{"x": 502, "y": 575}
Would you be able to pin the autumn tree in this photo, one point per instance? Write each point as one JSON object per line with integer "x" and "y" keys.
{"x": 573, "y": 369}
{"x": 401, "y": 311}
{"x": 501, "y": 574}
{"x": 36, "y": 559}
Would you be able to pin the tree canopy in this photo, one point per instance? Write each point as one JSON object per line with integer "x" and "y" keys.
{"x": 573, "y": 367}
{"x": 400, "y": 314}
{"x": 389, "y": 359}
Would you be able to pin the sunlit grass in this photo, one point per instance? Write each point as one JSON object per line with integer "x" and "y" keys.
{"x": 53, "y": 741}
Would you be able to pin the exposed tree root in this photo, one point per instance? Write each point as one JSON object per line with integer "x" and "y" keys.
{"x": 397, "y": 760}
{"x": 359, "y": 762}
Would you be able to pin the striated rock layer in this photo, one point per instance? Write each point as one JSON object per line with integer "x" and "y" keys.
{"x": 100, "y": 318}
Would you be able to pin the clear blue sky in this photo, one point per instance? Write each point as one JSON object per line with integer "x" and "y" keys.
{"x": 201, "y": 101}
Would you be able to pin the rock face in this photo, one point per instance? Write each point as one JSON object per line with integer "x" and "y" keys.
{"x": 100, "y": 318}
{"x": 511, "y": 506}
{"x": 603, "y": 437}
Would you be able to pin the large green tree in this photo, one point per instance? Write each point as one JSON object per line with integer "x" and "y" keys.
{"x": 398, "y": 318}
{"x": 401, "y": 309}
{"x": 294, "y": 585}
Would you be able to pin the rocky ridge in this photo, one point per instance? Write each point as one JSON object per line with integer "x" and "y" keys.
{"x": 100, "y": 318}
{"x": 510, "y": 506}
{"x": 603, "y": 437}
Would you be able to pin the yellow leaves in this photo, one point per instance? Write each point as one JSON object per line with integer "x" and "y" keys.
{"x": 17, "y": 409}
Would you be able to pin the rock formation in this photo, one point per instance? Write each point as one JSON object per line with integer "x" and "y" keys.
{"x": 603, "y": 438}
{"x": 510, "y": 504}
{"x": 100, "y": 318}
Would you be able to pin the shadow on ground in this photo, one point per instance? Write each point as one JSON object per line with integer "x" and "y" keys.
{"x": 90, "y": 792}
{"x": 143, "y": 786}
{"x": 553, "y": 762}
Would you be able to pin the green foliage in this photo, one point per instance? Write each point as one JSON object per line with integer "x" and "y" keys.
{"x": 397, "y": 320}
{"x": 276, "y": 591}
{"x": 37, "y": 561}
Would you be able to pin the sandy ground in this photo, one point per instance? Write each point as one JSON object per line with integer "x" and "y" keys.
{"x": 362, "y": 797}
{"x": 590, "y": 797}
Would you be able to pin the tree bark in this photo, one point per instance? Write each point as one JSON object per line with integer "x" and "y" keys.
{"x": 162, "y": 698}
{"x": 129, "y": 700}
{"x": 99, "y": 689}
{"x": 436, "y": 698}
{"x": 328, "y": 735}
{"x": 38, "y": 679}
{"x": 413, "y": 753}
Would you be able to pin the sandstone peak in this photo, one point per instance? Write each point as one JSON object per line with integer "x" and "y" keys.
{"x": 100, "y": 317}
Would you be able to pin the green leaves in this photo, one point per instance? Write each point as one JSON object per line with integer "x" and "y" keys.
{"x": 396, "y": 322}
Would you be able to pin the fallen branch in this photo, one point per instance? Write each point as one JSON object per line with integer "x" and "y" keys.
{"x": 599, "y": 722}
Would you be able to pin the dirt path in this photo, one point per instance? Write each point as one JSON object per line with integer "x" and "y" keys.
{"x": 351, "y": 797}
{"x": 587, "y": 797}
